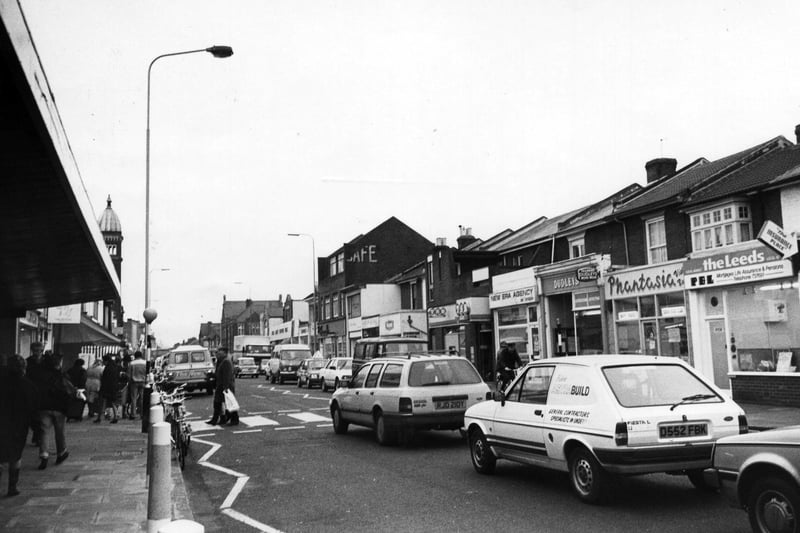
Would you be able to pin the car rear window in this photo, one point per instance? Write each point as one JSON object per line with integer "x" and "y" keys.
{"x": 181, "y": 358}
{"x": 316, "y": 364}
{"x": 649, "y": 385}
{"x": 291, "y": 355}
{"x": 405, "y": 347}
{"x": 442, "y": 372}
{"x": 246, "y": 361}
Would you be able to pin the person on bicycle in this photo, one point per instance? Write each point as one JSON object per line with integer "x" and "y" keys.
{"x": 507, "y": 361}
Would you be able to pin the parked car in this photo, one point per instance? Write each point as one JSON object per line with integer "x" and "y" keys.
{"x": 760, "y": 473}
{"x": 190, "y": 365}
{"x": 309, "y": 373}
{"x": 371, "y": 347}
{"x": 336, "y": 372}
{"x": 604, "y": 414}
{"x": 246, "y": 366}
{"x": 399, "y": 395}
{"x": 285, "y": 361}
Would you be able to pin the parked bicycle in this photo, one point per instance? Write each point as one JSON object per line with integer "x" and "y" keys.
{"x": 175, "y": 415}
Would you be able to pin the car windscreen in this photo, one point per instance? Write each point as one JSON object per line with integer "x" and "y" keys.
{"x": 344, "y": 364}
{"x": 292, "y": 355}
{"x": 316, "y": 364}
{"x": 442, "y": 372}
{"x": 405, "y": 347}
{"x": 649, "y": 385}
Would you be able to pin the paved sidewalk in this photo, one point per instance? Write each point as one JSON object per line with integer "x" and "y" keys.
{"x": 99, "y": 488}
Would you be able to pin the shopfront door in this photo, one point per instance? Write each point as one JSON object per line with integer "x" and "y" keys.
{"x": 719, "y": 352}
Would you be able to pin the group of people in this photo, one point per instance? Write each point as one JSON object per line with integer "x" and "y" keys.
{"x": 37, "y": 396}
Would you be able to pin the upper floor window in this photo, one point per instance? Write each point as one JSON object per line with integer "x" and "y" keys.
{"x": 656, "y": 240}
{"x": 326, "y": 309}
{"x": 335, "y": 305}
{"x": 337, "y": 263}
{"x": 430, "y": 278}
{"x": 576, "y": 247}
{"x": 354, "y": 306}
{"x": 721, "y": 226}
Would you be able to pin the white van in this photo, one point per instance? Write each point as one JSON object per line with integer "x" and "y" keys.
{"x": 285, "y": 361}
{"x": 191, "y": 365}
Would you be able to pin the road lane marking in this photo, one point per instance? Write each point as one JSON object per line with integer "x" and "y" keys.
{"x": 203, "y": 435}
{"x": 257, "y": 396}
{"x": 289, "y": 411}
{"x": 324, "y": 425}
{"x": 236, "y": 515}
{"x": 234, "y": 493}
{"x": 248, "y": 431}
{"x": 290, "y": 427}
{"x": 256, "y": 421}
{"x": 309, "y": 417}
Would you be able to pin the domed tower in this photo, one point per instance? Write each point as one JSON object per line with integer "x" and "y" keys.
{"x": 111, "y": 229}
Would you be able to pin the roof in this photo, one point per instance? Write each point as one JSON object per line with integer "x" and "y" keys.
{"x": 674, "y": 188}
{"x": 755, "y": 175}
{"x": 601, "y": 360}
{"x": 109, "y": 221}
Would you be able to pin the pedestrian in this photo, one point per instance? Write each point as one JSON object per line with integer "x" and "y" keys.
{"x": 77, "y": 374}
{"x": 55, "y": 391}
{"x": 34, "y": 366}
{"x": 137, "y": 376}
{"x": 93, "y": 377}
{"x": 508, "y": 361}
{"x": 109, "y": 388}
{"x": 225, "y": 381}
{"x": 18, "y": 405}
{"x": 124, "y": 398}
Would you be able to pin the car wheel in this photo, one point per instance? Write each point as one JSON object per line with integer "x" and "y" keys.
{"x": 336, "y": 384}
{"x": 324, "y": 386}
{"x": 773, "y": 505}
{"x": 699, "y": 482}
{"x": 280, "y": 380}
{"x": 483, "y": 459}
{"x": 339, "y": 425}
{"x": 299, "y": 383}
{"x": 308, "y": 384}
{"x": 587, "y": 477}
{"x": 383, "y": 435}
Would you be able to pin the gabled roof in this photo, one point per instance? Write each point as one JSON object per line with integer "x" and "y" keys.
{"x": 539, "y": 229}
{"x": 239, "y": 310}
{"x": 753, "y": 176}
{"x": 675, "y": 188}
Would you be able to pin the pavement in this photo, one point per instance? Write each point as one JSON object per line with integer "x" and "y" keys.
{"x": 101, "y": 487}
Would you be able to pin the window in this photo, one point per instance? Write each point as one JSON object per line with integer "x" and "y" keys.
{"x": 335, "y": 305}
{"x": 354, "y": 306}
{"x": 326, "y": 311}
{"x": 656, "y": 240}
{"x": 332, "y": 261}
{"x": 337, "y": 263}
{"x": 391, "y": 377}
{"x": 430, "y": 278}
{"x": 533, "y": 387}
{"x": 577, "y": 247}
{"x": 372, "y": 378}
{"x": 721, "y": 226}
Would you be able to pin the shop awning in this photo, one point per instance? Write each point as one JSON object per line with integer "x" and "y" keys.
{"x": 87, "y": 332}
{"x": 52, "y": 249}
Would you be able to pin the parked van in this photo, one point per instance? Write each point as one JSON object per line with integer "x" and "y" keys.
{"x": 191, "y": 365}
{"x": 371, "y": 347}
{"x": 285, "y": 360}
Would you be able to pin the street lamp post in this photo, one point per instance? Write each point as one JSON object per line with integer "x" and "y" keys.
{"x": 216, "y": 51}
{"x": 313, "y": 315}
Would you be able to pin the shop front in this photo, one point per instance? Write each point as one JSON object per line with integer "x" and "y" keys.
{"x": 648, "y": 310}
{"x": 513, "y": 304}
{"x": 404, "y": 324}
{"x": 572, "y": 307}
{"x": 745, "y": 311}
{"x": 444, "y": 330}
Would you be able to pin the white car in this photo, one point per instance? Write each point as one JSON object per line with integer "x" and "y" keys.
{"x": 336, "y": 372}
{"x": 398, "y": 395}
{"x": 604, "y": 414}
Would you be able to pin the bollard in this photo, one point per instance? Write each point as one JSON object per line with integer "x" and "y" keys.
{"x": 183, "y": 526}
{"x": 159, "y": 500}
{"x": 147, "y": 401}
{"x": 156, "y": 416}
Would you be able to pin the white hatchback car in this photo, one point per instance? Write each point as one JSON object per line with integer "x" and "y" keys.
{"x": 398, "y": 395}
{"x": 336, "y": 372}
{"x": 604, "y": 414}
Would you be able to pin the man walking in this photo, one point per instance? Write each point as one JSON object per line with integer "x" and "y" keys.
{"x": 137, "y": 375}
{"x": 225, "y": 381}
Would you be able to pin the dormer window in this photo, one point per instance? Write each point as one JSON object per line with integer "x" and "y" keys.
{"x": 721, "y": 226}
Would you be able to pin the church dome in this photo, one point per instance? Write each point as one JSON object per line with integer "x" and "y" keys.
{"x": 109, "y": 221}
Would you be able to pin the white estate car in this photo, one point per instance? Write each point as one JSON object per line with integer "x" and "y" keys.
{"x": 336, "y": 372}
{"x": 398, "y": 395}
{"x": 600, "y": 414}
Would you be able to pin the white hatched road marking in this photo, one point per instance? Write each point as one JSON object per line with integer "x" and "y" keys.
{"x": 309, "y": 417}
{"x": 258, "y": 421}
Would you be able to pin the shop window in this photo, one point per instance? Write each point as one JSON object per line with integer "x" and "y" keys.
{"x": 652, "y": 325}
{"x": 721, "y": 226}
{"x": 656, "y": 240}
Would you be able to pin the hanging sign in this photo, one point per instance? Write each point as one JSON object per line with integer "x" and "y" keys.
{"x": 776, "y": 238}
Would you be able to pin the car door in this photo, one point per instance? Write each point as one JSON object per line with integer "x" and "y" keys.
{"x": 366, "y": 400}
{"x": 349, "y": 397}
{"x": 518, "y": 422}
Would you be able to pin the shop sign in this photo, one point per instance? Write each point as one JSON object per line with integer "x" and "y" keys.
{"x": 587, "y": 273}
{"x": 354, "y": 324}
{"x": 776, "y": 238}
{"x": 441, "y": 314}
{"x": 65, "y": 314}
{"x": 628, "y": 315}
{"x": 371, "y": 322}
{"x": 513, "y": 297}
{"x": 31, "y": 319}
{"x": 742, "y": 266}
{"x": 462, "y": 310}
{"x": 675, "y": 310}
{"x": 645, "y": 282}
{"x": 565, "y": 282}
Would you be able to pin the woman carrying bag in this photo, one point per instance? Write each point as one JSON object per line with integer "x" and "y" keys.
{"x": 225, "y": 382}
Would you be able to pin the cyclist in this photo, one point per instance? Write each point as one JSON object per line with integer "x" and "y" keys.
{"x": 508, "y": 360}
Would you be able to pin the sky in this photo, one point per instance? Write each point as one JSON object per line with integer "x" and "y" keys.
{"x": 333, "y": 116}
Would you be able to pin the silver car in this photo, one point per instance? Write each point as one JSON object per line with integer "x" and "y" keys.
{"x": 760, "y": 472}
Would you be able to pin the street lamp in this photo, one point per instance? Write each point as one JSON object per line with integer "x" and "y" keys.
{"x": 216, "y": 51}
{"x": 312, "y": 316}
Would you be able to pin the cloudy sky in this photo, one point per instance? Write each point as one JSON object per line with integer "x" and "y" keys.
{"x": 332, "y": 116}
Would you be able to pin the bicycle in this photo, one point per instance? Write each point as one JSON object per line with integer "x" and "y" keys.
{"x": 175, "y": 415}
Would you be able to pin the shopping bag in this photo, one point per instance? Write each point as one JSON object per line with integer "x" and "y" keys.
{"x": 231, "y": 404}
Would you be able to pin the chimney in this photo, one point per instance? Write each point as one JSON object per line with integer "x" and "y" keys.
{"x": 658, "y": 168}
{"x": 441, "y": 241}
{"x": 797, "y": 133}
{"x": 248, "y": 302}
{"x": 465, "y": 237}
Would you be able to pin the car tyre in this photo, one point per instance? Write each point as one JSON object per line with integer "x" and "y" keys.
{"x": 699, "y": 482}
{"x": 483, "y": 459}
{"x": 339, "y": 425}
{"x": 587, "y": 477}
{"x": 383, "y": 434}
{"x": 773, "y": 504}
{"x": 336, "y": 384}
{"x": 324, "y": 386}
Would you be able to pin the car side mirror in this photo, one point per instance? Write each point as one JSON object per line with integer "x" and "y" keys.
{"x": 499, "y": 396}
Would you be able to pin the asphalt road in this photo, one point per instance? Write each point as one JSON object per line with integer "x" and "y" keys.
{"x": 284, "y": 469}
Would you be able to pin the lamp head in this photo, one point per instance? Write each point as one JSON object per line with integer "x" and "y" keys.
{"x": 220, "y": 51}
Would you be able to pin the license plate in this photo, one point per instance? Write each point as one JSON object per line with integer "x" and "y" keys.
{"x": 198, "y": 373}
{"x": 682, "y": 431}
{"x": 450, "y": 404}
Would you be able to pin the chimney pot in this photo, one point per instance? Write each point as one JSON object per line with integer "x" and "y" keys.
{"x": 660, "y": 167}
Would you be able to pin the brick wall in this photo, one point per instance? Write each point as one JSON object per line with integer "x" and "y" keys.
{"x": 769, "y": 390}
